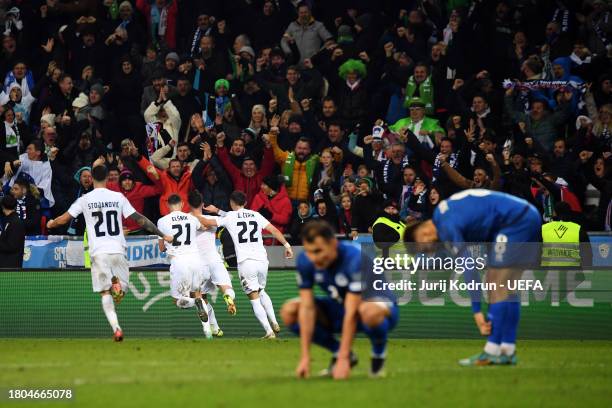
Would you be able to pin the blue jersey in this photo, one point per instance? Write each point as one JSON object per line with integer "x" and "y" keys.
{"x": 343, "y": 277}
{"x": 479, "y": 215}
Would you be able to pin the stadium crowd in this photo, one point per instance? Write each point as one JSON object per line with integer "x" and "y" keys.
{"x": 317, "y": 109}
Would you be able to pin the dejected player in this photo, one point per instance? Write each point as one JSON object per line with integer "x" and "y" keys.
{"x": 510, "y": 224}
{"x": 336, "y": 267}
{"x": 103, "y": 209}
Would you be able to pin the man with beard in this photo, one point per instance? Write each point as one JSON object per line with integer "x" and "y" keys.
{"x": 213, "y": 63}
{"x": 186, "y": 102}
{"x": 174, "y": 180}
{"x": 151, "y": 92}
{"x": 246, "y": 179}
{"x": 298, "y": 166}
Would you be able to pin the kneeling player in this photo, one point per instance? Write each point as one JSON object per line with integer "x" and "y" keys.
{"x": 512, "y": 226}
{"x": 335, "y": 266}
{"x": 186, "y": 278}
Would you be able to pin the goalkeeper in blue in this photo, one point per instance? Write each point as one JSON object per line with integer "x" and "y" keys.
{"x": 336, "y": 268}
{"x": 512, "y": 227}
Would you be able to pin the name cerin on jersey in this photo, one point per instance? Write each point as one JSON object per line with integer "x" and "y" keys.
{"x": 102, "y": 204}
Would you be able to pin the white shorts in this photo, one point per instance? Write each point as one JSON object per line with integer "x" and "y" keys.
{"x": 218, "y": 275}
{"x": 186, "y": 275}
{"x": 253, "y": 275}
{"x": 104, "y": 267}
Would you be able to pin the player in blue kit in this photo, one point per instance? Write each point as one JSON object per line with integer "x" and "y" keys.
{"x": 336, "y": 268}
{"x": 511, "y": 225}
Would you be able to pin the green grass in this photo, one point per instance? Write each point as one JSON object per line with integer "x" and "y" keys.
{"x": 254, "y": 373}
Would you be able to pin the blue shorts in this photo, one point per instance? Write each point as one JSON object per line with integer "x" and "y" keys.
{"x": 517, "y": 244}
{"x": 334, "y": 312}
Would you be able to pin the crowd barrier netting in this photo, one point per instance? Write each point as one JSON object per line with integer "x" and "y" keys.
{"x": 61, "y": 304}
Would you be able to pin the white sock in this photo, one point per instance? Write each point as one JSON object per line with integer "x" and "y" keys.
{"x": 508, "y": 349}
{"x": 230, "y": 292}
{"x": 206, "y": 326}
{"x": 185, "y": 302}
{"x": 260, "y": 314}
{"x": 211, "y": 318}
{"x": 109, "y": 311}
{"x": 492, "y": 348}
{"x": 266, "y": 302}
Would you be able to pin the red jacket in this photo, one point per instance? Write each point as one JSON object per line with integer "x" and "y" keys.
{"x": 136, "y": 197}
{"x": 169, "y": 185}
{"x": 248, "y": 185}
{"x": 279, "y": 206}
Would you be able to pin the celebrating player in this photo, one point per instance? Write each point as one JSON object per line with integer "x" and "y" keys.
{"x": 211, "y": 263}
{"x": 245, "y": 226}
{"x": 335, "y": 267}
{"x": 186, "y": 274}
{"x": 102, "y": 209}
{"x": 506, "y": 221}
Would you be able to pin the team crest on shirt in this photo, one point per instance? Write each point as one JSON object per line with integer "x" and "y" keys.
{"x": 27, "y": 253}
{"x": 341, "y": 280}
{"x": 319, "y": 277}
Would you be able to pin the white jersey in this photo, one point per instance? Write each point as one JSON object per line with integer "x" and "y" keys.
{"x": 183, "y": 227}
{"x": 102, "y": 209}
{"x": 245, "y": 226}
{"x": 207, "y": 243}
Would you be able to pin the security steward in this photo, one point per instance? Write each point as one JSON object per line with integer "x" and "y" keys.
{"x": 565, "y": 243}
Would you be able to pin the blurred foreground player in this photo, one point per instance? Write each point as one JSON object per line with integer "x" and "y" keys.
{"x": 103, "y": 209}
{"x": 512, "y": 226}
{"x": 336, "y": 267}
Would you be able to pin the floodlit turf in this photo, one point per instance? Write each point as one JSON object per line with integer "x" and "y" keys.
{"x": 254, "y": 373}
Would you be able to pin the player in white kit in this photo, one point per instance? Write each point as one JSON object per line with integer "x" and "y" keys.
{"x": 245, "y": 226}
{"x": 212, "y": 265}
{"x": 102, "y": 210}
{"x": 186, "y": 275}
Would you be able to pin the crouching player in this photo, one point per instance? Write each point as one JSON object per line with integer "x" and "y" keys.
{"x": 512, "y": 227}
{"x": 336, "y": 267}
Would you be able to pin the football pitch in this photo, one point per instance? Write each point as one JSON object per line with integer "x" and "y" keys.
{"x": 236, "y": 373}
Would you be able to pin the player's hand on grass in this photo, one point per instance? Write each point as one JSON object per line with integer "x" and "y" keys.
{"x": 303, "y": 368}
{"x": 483, "y": 325}
{"x": 342, "y": 369}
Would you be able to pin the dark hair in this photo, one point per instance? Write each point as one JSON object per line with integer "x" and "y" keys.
{"x": 172, "y": 161}
{"x": 335, "y": 123}
{"x": 317, "y": 228}
{"x": 304, "y": 139}
{"x": 238, "y": 198}
{"x": 328, "y": 99}
{"x": 181, "y": 144}
{"x": 9, "y": 202}
{"x": 22, "y": 182}
{"x": 195, "y": 199}
{"x": 99, "y": 173}
{"x": 174, "y": 199}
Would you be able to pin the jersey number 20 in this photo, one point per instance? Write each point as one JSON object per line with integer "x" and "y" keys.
{"x": 243, "y": 230}
{"x": 112, "y": 223}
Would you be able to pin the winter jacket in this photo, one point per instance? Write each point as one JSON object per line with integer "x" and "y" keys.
{"x": 279, "y": 206}
{"x": 170, "y": 185}
{"x": 302, "y": 173}
{"x": 248, "y": 185}
{"x": 136, "y": 196}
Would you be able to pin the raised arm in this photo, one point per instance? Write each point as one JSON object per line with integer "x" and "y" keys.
{"x": 280, "y": 237}
{"x": 63, "y": 219}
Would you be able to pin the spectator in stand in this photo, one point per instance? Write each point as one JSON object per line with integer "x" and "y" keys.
{"x": 211, "y": 180}
{"x": 28, "y": 205}
{"x": 12, "y": 237}
{"x": 420, "y": 86}
{"x": 425, "y": 128}
{"x": 365, "y": 207}
{"x": 174, "y": 180}
{"x": 248, "y": 179}
{"x": 34, "y": 163}
{"x": 272, "y": 202}
{"x": 136, "y": 193}
{"x": 345, "y": 217}
{"x": 163, "y": 120}
{"x": 308, "y": 34}
{"x": 298, "y": 167}
{"x": 303, "y": 213}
